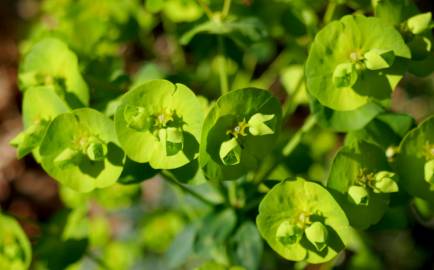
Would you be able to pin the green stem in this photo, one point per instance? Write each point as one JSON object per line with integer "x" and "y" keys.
{"x": 171, "y": 179}
{"x": 222, "y": 66}
{"x": 296, "y": 138}
{"x": 291, "y": 104}
{"x": 97, "y": 260}
{"x": 330, "y": 11}
{"x": 271, "y": 162}
{"x": 226, "y": 8}
{"x": 205, "y": 8}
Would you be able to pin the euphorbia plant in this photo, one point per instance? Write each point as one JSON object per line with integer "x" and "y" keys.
{"x": 100, "y": 132}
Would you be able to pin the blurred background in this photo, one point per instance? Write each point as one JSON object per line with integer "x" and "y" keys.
{"x": 133, "y": 227}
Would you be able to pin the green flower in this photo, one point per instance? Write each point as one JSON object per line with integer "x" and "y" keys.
{"x": 80, "y": 150}
{"x": 361, "y": 183}
{"x": 50, "y": 63}
{"x": 415, "y": 161}
{"x": 15, "y": 250}
{"x": 240, "y": 129}
{"x": 301, "y": 221}
{"x": 350, "y": 62}
{"x": 160, "y": 122}
{"x": 40, "y": 106}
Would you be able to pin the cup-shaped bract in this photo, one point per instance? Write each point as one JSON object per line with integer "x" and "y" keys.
{"x": 40, "y": 106}
{"x": 330, "y": 77}
{"x": 51, "y": 63}
{"x": 160, "y": 122}
{"x": 80, "y": 150}
{"x": 301, "y": 221}
{"x": 15, "y": 251}
{"x": 240, "y": 129}
{"x": 353, "y": 184}
{"x": 414, "y": 159}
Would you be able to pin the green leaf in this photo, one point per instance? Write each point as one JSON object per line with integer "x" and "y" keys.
{"x": 376, "y": 59}
{"x": 230, "y": 152}
{"x": 63, "y": 243}
{"x": 216, "y": 229}
{"x": 419, "y": 23}
{"x": 227, "y": 119}
{"x": 243, "y": 31}
{"x": 246, "y": 246}
{"x": 317, "y": 234}
{"x": 386, "y": 131}
{"x": 358, "y": 195}
{"x": 172, "y": 111}
{"x": 29, "y": 139}
{"x": 15, "y": 250}
{"x": 344, "y": 75}
{"x": 64, "y": 150}
{"x": 386, "y": 182}
{"x": 40, "y": 106}
{"x": 182, "y": 11}
{"x": 346, "y": 41}
{"x": 135, "y": 172}
{"x": 154, "y": 6}
{"x": 394, "y": 12}
{"x": 420, "y": 47}
{"x": 51, "y": 63}
{"x": 301, "y": 203}
{"x": 416, "y": 149}
{"x": 258, "y": 126}
{"x": 355, "y": 165}
{"x": 345, "y": 120}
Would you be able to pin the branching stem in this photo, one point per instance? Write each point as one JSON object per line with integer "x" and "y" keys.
{"x": 171, "y": 179}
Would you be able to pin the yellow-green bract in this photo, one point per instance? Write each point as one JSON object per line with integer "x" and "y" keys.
{"x": 66, "y": 150}
{"x": 160, "y": 122}
{"x": 352, "y": 41}
{"x": 15, "y": 251}
{"x": 354, "y": 186}
{"x": 40, "y": 106}
{"x": 413, "y": 162}
{"x": 51, "y": 63}
{"x": 240, "y": 130}
{"x": 301, "y": 221}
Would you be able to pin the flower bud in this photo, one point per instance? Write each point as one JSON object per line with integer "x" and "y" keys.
{"x": 135, "y": 117}
{"x": 345, "y": 75}
{"x": 230, "y": 152}
{"x": 173, "y": 140}
{"x": 317, "y": 234}
{"x": 419, "y": 23}
{"x": 358, "y": 195}
{"x": 288, "y": 233}
{"x": 429, "y": 171}
{"x": 385, "y": 182}
{"x": 96, "y": 151}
